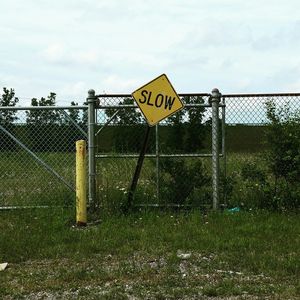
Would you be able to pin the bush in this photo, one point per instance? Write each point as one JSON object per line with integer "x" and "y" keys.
{"x": 273, "y": 181}
{"x": 255, "y": 186}
{"x": 250, "y": 187}
{"x": 283, "y": 157}
{"x": 283, "y": 139}
{"x": 185, "y": 183}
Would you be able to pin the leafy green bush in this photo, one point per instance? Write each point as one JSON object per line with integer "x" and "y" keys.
{"x": 226, "y": 188}
{"x": 272, "y": 179}
{"x": 283, "y": 138}
{"x": 255, "y": 186}
{"x": 249, "y": 186}
{"x": 185, "y": 182}
{"x": 283, "y": 157}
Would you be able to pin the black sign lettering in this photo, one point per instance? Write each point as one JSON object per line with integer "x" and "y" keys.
{"x": 169, "y": 101}
{"x": 148, "y": 101}
{"x": 144, "y": 94}
{"x": 159, "y": 100}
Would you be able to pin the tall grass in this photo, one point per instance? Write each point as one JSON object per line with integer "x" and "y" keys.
{"x": 24, "y": 182}
{"x": 40, "y": 234}
{"x": 231, "y": 253}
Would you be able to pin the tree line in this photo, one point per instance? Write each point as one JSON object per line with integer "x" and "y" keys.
{"x": 185, "y": 131}
{"x": 53, "y": 130}
{"x": 40, "y": 130}
{"x": 38, "y": 117}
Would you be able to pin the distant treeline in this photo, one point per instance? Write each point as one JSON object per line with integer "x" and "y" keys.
{"x": 41, "y": 138}
{"x": 238, "y": 138}
{"x": 187, "y": 131}
{"x": 121, "y": 138}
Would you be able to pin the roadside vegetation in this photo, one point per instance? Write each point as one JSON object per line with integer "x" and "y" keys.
{"x": 150, "y": 254}
{"x": 179, "y": 249}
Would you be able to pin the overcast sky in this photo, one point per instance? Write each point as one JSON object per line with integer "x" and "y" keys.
{"x": 70, "y": 46}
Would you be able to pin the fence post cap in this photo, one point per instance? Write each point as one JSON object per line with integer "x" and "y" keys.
{"x": 215, "y": 95}
{"x": 91, "y": 93}
{"x": 215, "y": 92}
{"x": 92, "y": 98}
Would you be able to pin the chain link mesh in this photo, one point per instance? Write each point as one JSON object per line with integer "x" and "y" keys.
{"x": 37, "y": 156}
{"x": 262, "y": 146}
{"x": 246, "y": 119}
{"x": 37, "y": 151}
{"x": 174, "y": 172}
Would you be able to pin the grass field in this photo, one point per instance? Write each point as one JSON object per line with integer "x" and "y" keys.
{"x": 150, "y": 255}
{"x": 251, "y": 254}
{"x": 24, "y": 182}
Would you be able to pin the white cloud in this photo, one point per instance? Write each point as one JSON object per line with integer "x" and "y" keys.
{"x": 293, "y": 86}
{"x": 117, "y": 84}
{"x": 54, "y": 53}
{"x": 71, "y": 46}
{"x": 86, "y": 57}
{"x": 61, "y": 54}
{"x": 75, "y": 89}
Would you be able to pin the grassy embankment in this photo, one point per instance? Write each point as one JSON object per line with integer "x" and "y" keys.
{"x": 240, "y": 254}
{"x": 246, "y": 254}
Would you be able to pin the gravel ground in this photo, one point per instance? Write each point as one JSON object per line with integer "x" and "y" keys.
{"x": 183, "y": 275}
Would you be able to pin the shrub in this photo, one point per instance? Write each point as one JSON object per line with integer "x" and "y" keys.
{"x": 250, "y": 187}
{"x": 283, "y": 157}
{"x": 283, "y": 139}
{"x": 185, "y": 182}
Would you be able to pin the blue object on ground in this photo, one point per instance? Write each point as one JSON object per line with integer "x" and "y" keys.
{"x": 234, "y": 209}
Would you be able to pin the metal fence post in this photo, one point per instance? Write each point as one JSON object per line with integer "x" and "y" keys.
{"x": 224, "y": 152}
{"x": 91, "y": 100}
{"x": 215, "y": 100}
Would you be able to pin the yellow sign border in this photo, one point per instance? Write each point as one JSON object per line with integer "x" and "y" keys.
{"x": 162, "y": 75}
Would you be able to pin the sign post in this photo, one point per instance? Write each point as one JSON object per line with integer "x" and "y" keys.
{"x": 137, "y": 171}
{"x": 157, "y": 100}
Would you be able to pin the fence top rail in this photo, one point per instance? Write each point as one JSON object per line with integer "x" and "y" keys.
{"x": 130, "y": 96}
{"x": 42, "y": 107}
{"x": 261, "y": 95}
{"x": 121, "y": 106}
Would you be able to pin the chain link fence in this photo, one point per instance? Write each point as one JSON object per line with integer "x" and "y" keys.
{"x": 37, "y": 152}
{"x": 262, "y": 151}
{"x": 177, "y": 165}
{"x": 37, "y": 155}
{"x": 246, "y": 118}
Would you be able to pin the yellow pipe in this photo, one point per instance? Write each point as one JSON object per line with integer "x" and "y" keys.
{"x": 81, "y": 214}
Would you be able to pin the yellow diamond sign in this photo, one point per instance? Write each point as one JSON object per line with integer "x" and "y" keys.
{"x": 157, "y": 100}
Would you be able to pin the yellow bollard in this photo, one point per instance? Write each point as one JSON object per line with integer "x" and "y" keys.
{"x": 81, "y": 215}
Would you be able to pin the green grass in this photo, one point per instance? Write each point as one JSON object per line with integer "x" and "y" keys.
{"x": 245, "y": 254}
{"x": 231, "y": 254}
{"x": 24, "y": 182}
